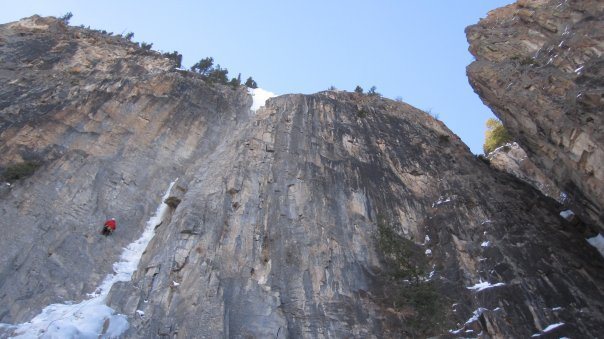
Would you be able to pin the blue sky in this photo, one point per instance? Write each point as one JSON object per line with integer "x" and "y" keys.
{"x": 415, "y": 50}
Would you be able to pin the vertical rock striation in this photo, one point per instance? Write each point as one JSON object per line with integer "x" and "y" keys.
{"x": 322, "y": 216}
{"x": 539, "y": 66}
{"x": 277, "y": 235}
{"x": 111, "y": 126}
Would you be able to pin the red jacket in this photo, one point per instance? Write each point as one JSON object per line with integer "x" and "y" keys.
{"x": 110, "y": 224}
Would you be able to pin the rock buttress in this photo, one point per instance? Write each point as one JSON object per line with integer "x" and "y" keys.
{"x": 539, "y": 66}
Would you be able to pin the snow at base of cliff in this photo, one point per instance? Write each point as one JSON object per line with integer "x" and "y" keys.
{"x": 91, "y": 318}
{"x": 260, "y": 96}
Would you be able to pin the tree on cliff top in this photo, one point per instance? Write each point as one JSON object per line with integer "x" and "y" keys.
{"x": 250, "y": 83}
{"x": 218, "y": 74}
{"x": 495, "y": 136}
{"x": 176, "y": 57}
{"x": 203, "y": 66}
{"x": 373, "y": 92}
{"x": 66, "y": 17}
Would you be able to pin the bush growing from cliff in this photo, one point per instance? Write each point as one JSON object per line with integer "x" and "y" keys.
{"x": 19, "y": 170}
{"x": 358, "y": 89}
{"x": 176, "y": 57}
{"x": 496, "y": 135}
{"x": 372, "y": 92}
{"x": 406, "y": 264}
{"x": 525, "y": 60}
{"x": 146, "y": 46}
{"x": 405, "y": 260}
{"x": 129, "y": 36}
{"x": 172, "y": 202}
{"x": 444, "y": 139}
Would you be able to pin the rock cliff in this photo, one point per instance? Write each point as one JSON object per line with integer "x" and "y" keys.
{"x": 511, "y": 158}
{"x": 322, "y": 216}
{"x": 106, "y": 121}
{"x": 539, "y": 66}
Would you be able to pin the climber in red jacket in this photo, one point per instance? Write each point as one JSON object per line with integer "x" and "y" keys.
{"x": 109, "y": 227}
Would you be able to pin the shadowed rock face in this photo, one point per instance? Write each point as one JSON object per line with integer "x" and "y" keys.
{"x": 278, "y": 217}
{"x": 539, "y": 66}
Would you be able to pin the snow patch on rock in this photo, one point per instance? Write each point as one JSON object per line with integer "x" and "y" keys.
{"x": 548, "y": 329}
{"x": 598, "y": 243}
{"x": 483, "y": 285}
{"x": 567, "y": 214}
{"x": 260, "y": 96}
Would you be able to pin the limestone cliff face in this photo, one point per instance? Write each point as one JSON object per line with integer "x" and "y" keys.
{"x": 323, "y": 216}
{"x": 511, "y": 158}
{"x": 111, "y": 126}
{"x": 539, "y": 66}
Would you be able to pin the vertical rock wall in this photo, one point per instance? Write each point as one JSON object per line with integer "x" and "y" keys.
{"x": 326, "y": 215}
{"x": 277, "y": 234}
{"x": 110, "y": 126}
{"x": 539, "y": 66}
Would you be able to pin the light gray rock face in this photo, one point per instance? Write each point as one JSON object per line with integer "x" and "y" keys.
{"x": 511, "y": 158}
{"x": 539, "y": 66}
{"x": 276, "y": 234}
{"x": 322, "y": 216}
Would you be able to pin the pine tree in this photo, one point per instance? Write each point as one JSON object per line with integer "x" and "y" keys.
{"x": 250, "y": 83}
{"x": 66, "y": 17}
{"x": 203, "y": 66}
{"x": 372, "y": 91}
{"x": 219, "y": 75}
{"x": 236, "y": 82}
